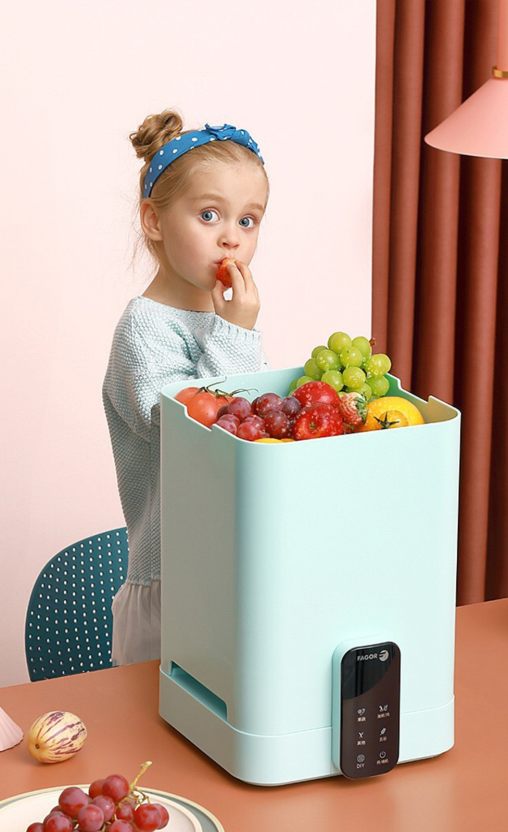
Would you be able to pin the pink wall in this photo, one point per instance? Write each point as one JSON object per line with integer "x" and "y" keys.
{"x": 77, "y": 78}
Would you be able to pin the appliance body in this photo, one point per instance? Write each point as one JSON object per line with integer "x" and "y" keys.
{"x": 278, "y": 559}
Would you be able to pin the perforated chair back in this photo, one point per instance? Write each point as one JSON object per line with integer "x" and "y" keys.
{"x": 68, "y": 621}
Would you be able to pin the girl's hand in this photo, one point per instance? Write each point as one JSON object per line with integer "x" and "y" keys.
{"x": 243, "y": 308}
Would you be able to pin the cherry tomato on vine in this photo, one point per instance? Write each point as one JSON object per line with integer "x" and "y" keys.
{"x": 203, "y": 404}
{"x": 186, "y": 394}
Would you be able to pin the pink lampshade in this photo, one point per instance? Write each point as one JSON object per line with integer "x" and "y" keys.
{"x": 10, "y": 733}
{"x": 479, "y": 127}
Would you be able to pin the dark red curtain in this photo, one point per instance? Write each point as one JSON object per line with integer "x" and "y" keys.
{"x": 439, "y": 257}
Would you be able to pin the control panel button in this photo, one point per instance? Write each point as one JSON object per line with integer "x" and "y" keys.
{"x": 369, "y": 709}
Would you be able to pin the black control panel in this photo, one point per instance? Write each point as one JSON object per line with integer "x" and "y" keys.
{"x": 370, "y": 709}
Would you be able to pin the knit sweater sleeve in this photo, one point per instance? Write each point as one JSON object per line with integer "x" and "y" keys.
{"x": 230, "y": 349}
{"x": 146, "y": 359}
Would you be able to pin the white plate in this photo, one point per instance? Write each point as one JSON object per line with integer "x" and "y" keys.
{"x": 19, "y": 811}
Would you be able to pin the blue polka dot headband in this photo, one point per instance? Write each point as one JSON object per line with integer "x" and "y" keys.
{"x": 182, "y": 144}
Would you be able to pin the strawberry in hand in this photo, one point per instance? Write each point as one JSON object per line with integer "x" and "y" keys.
{"x": 223, "y": 272}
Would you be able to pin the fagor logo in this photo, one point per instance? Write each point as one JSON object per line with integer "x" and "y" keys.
{"x": 382, "y": 656}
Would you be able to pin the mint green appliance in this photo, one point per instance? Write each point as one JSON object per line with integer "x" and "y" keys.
{"x": 308, "y": 592}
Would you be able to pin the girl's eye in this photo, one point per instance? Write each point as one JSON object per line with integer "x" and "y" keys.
{"x": 248, "y": 219}
{"x": 208, "y": 215}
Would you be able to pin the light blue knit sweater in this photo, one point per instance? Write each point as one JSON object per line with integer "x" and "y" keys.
{"x": 155, "y": 344}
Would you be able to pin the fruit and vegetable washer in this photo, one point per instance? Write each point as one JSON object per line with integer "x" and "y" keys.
{"x": 308, "y": 592}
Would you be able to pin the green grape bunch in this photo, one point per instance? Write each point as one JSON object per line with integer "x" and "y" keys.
{"x": 349, "y": 366}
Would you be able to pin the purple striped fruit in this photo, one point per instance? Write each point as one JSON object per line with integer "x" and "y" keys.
{"x": 56, "y": 736}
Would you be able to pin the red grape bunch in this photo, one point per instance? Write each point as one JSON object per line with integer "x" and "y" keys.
{"x": 111, "y": 805}
{"x": 269, "y": 415}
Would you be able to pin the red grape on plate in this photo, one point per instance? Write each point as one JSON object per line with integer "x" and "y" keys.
{"x": 71, "y": 800}
{"x": 95, "y": 787}
{"x": 107, "y": 805}
{"x": 57, "y": 823}
{"x": 147, "y": 817}
{"x": 125, "y": 811}
{"x": 90, "y": 819}
{"x": 164, "y": 815}
{"x": 116, "y": 786}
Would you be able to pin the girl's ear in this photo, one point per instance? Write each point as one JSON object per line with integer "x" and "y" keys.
{"x": 150, "y": 222}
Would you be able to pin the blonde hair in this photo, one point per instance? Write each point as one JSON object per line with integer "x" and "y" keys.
{"x": 155, "y": 131}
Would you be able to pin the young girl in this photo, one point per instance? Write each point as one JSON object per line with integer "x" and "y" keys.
{"x": 203, "y": 195}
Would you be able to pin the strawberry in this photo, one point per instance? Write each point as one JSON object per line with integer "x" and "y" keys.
{"x": 315, "y": 421}
{"x": 353, "y": 408}
{"x": 223, "y": 272}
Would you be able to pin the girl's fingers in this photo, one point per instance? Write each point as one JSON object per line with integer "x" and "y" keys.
{"x": 237, "y": 278}
{"x": 243, "y": 288}
{"x": 244, "y": 271}
{"x": 217, "y": 296}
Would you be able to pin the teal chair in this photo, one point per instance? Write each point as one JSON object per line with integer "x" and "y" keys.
{"x": 68, "y": 621}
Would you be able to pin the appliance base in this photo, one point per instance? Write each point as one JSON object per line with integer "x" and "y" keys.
{"x": 289, "y": 758}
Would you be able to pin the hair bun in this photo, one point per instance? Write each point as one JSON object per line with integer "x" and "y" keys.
{"x": 154, "y": 132}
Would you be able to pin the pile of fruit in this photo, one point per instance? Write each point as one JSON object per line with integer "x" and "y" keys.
{"x": 111, "y": 805}
{"x": 343, "y": 391}
{"x": 348, "y": 364}
{"x": 313, "y": 410}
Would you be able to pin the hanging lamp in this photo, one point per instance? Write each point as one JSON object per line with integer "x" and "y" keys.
{"x": 479, "y": 127}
